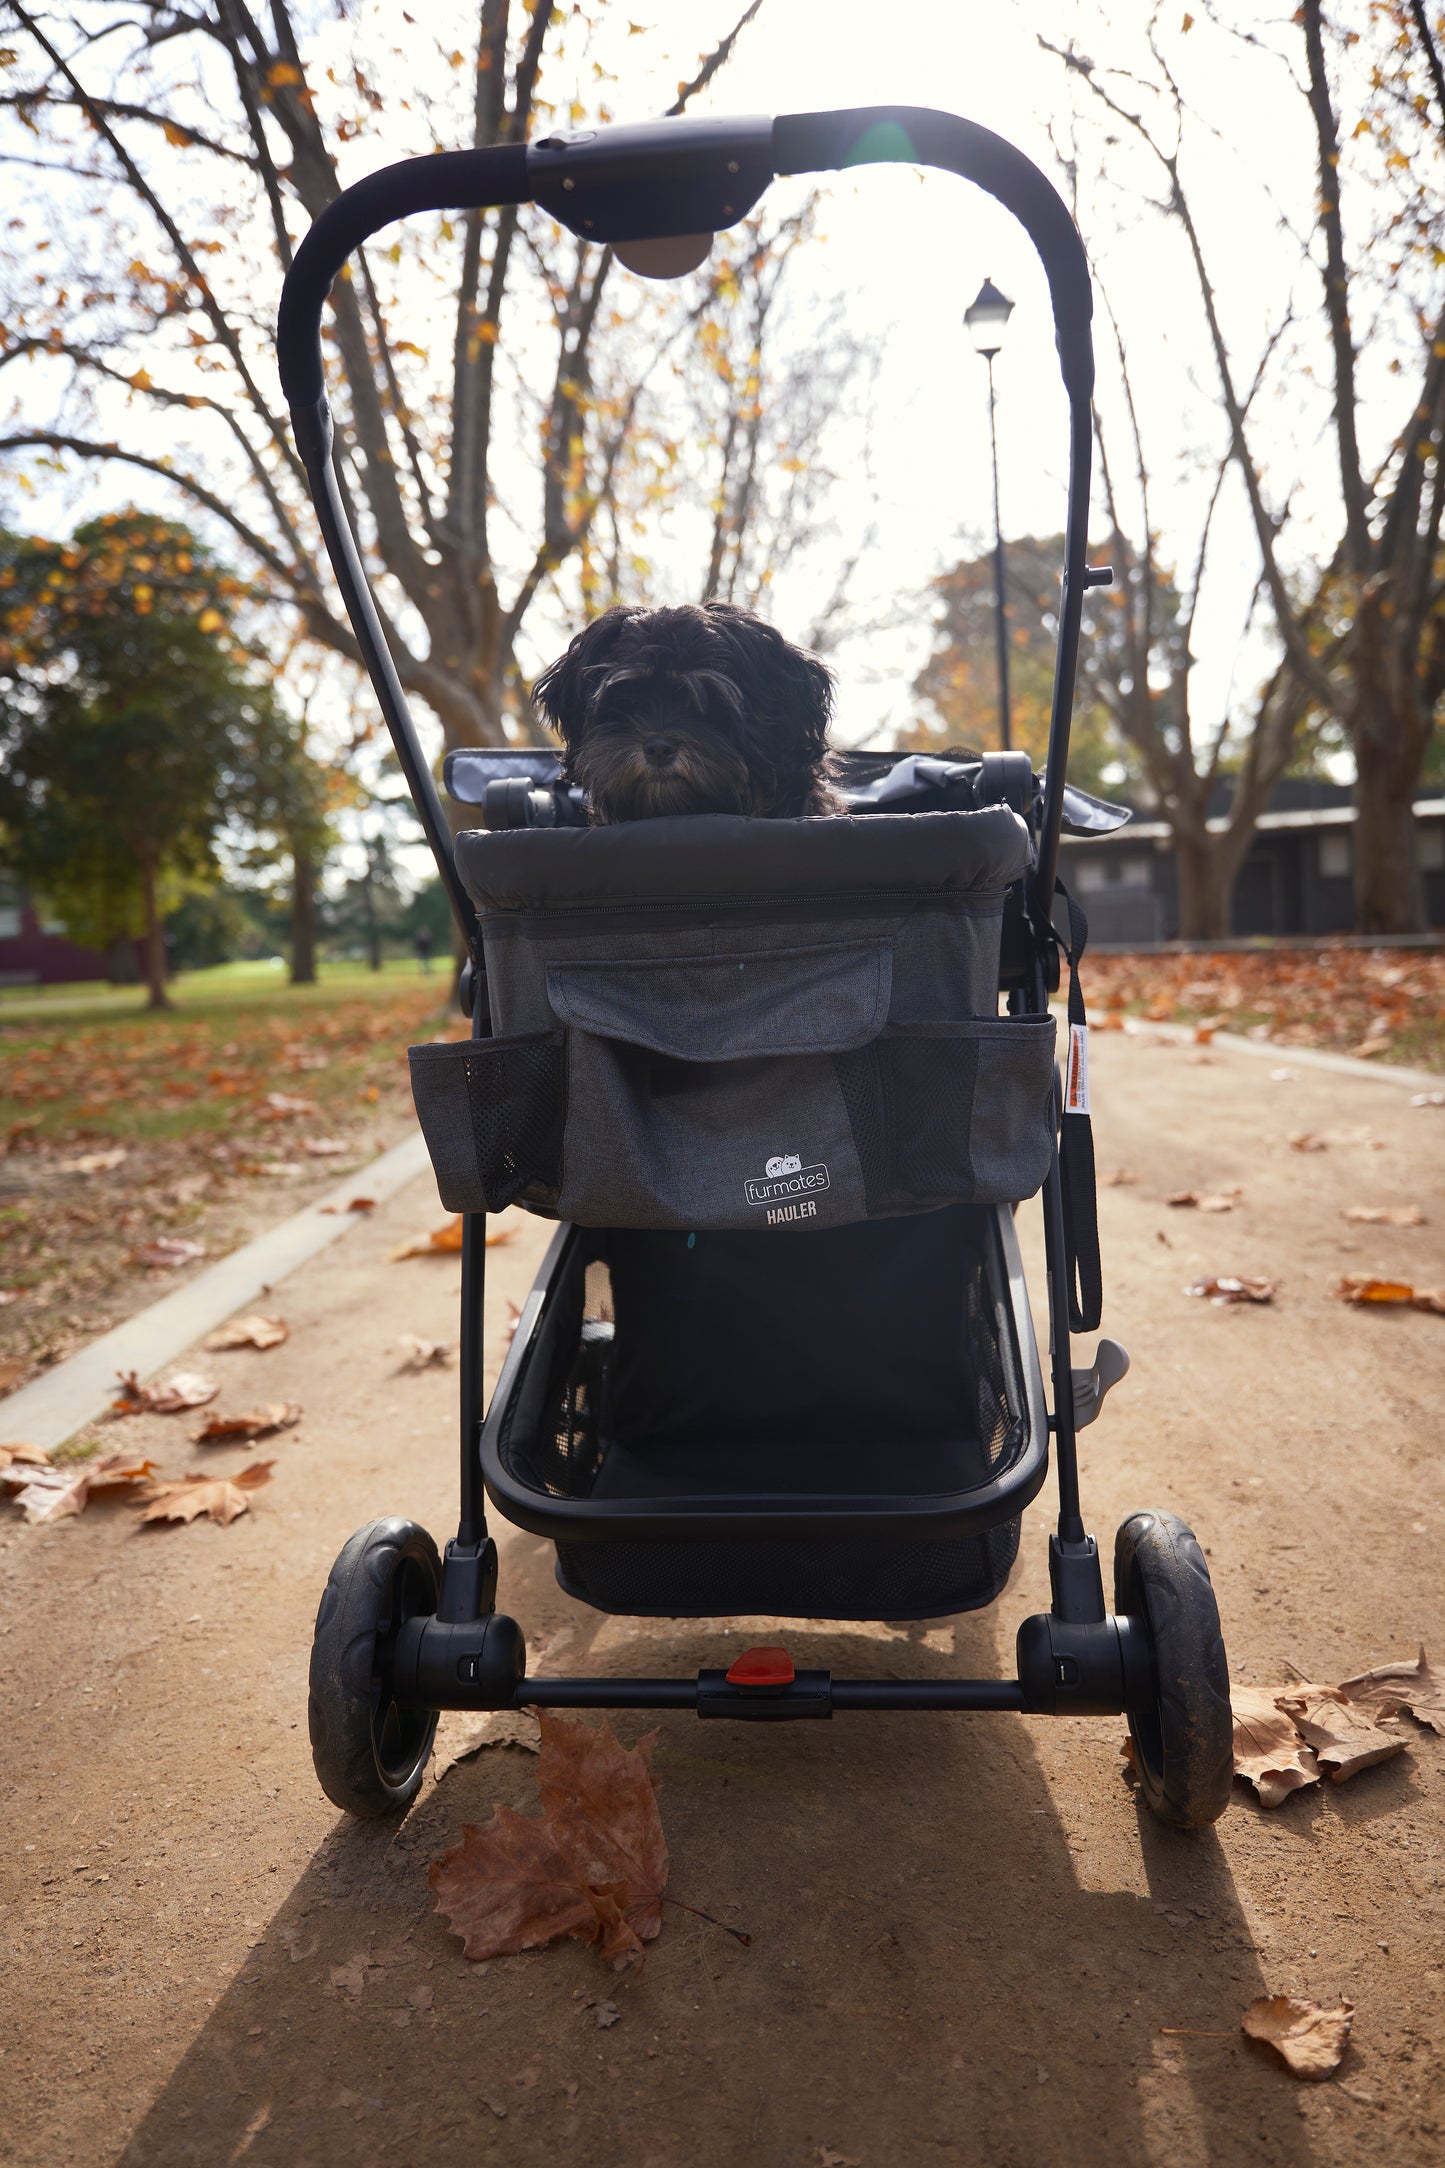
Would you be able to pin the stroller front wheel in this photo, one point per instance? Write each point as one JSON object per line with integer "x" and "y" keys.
{"x": 1184, "y": 1742}
{"x": 370, "y": 1752}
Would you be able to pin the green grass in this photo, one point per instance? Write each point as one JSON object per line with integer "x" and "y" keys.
{"x": 223, "y": 987}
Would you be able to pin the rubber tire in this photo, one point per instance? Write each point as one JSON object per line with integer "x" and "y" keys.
{"x": 1184, "y": 1746}
{"x": 370, "y": 1756}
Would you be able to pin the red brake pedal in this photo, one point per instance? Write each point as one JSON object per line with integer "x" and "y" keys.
{"x": 761, "y": 1667}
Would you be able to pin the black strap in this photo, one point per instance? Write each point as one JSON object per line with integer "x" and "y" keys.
{"x": 1076, "y": 1148}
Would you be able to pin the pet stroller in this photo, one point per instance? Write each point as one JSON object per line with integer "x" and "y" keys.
{"x": 779, "y": 1359}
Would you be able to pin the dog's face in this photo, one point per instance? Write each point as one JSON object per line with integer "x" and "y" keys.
{"x": 690, "y": 710}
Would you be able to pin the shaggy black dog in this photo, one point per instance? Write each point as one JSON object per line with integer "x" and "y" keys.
{"x": 699, "y": 709}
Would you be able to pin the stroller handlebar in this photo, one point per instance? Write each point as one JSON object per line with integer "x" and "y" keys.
{"x": 658, "y": 179}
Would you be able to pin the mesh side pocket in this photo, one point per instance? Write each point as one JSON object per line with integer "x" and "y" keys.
{"x": 952, "y": 1113}
{"x": 492, "y": 1113}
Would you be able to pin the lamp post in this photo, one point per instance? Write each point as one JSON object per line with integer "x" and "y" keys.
{"x": 987, "y": 319}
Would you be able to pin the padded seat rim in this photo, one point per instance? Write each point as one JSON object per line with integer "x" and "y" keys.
{"x": 723, "y": 857}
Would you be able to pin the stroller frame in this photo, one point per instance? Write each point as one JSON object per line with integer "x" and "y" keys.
{"x": 396, "y": 1643}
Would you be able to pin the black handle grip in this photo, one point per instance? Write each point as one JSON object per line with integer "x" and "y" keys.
{"x": 918, "y": 135}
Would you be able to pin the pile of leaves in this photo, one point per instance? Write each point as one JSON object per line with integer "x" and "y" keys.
{"x": 1288, "y": 1737}
{"x": 1380, "y": 1002}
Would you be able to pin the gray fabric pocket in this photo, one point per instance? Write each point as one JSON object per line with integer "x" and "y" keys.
{"x": 952, "y": 1113}
{"x": 732, "y": 1007}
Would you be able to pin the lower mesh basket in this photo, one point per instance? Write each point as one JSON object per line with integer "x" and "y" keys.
{"x": 869, "y": 1362}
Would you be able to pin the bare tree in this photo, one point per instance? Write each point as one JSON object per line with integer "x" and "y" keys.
{"x": 1363, "y": 637}
{"x": 202, "y": 141}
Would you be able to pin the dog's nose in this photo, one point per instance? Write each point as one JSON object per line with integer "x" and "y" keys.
{"x": 659, "y": 751}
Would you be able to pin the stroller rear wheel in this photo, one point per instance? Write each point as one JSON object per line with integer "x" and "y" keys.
{"x": 1184, "y": 1743}
{"x": 370, "y": 1753}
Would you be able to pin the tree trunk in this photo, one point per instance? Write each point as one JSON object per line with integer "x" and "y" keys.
{"x": 373, "y": 931}
{"x": 303, "y": 920}
{"x": 155, "y": 940}
{"x": 1206, "y": 870}
{"x": 1388, "y": 896}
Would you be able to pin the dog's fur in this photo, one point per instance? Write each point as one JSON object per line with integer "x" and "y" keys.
{"x": 698, "y": 709}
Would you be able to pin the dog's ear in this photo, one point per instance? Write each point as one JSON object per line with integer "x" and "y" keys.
{"x": 562, "y": 694}
{"x": 788, "y": 700}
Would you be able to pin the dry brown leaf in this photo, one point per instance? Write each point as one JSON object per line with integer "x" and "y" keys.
{"x": 1358, "y": 1288}
{"x": 95, "y": 1162}
{"x": 1344, "y": 1734}
{"x": 352, "y": 1204}
{"x": 278, "y": 1105}
{"x": 183, "y": 1389}
{"x": 1268, "y": 1752}
{"x": 594, "y": 1866}
{"x": 1228, "y": 1289}
{"x": 12, "y": 1369}
{"x": 1401, "y": 1685}
{"x": 1308, "y": 2038}
{"x": 223, "y": 1497}
{"x": 440, "y": 1239}
{"x": 1120, "y": 1178}
{"x": 29, "y": 1455}
{"x": 325, "y": 1147}
{"x": 419, "y": 1354}
{"x": 255, "y": 1331}
{"x": 1223, "y": 1200}
{"x": 170, "y": 1251}
{"x": 1305, "y": 1140}
{"x": 241, "y": 1429}
{"x": 53, "y": 1494}
{"x": 1386, "y": 1215}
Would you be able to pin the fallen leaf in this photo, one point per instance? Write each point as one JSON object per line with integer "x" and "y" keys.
{"x": 1358, "y": 1288}
{"x": 1305, "y": 1140}
{"x": 1203, "y": 1033}
{"x": 8, "y": 1295}
{"x": 1225, "y": 1289}
{"x": 95, "y": 1162}
{"x": 241, "y": 1429}
{"x": 1344, "y": 1734}
{"x": 1385, "y": 1215}
{"x": 352, "y": 1204}
{"x": 422, "y": 1998}
{"x": 594, "y": 1866}
{"x": 325, "y": 1147}
{"x": 1268, "y": 1751}
{"x": 184, "y": 1389}
{"x": 224, "y": 1497}
{"x": 441, "y": 1238}
{"x": 54, "y": 1494}
{"x": 1427, "y": 1099}
{"x": 1223, "y": 1200}
{"x": 277, "y": 1105}
{"x": 1119, "y": 1179}
{"x": 250, "y": 1332}
{"x": 604, "y": 2015}
{"x": 1308, "y": 2038}
{"x": 1282, "y": 1076}
{"x": 12, "y": 1369}
{"x": 30, "y": 1455}
{"x": 419, "y": 1354}
{"x": 828, "y": 2156}
{"x": 171, "y": 1250}
{"x": 1402, "y": 1685}
{"x": 350, "y": 1979}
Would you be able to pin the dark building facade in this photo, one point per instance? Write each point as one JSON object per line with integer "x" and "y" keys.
{"x": 1297, "y": 879}
{"x": 35, "y": 952}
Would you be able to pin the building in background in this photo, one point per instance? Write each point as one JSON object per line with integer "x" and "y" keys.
{"x": 34, "y": 948}
{"x": 1296, "y": 880}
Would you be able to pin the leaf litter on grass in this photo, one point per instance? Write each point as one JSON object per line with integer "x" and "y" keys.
{"x": 593, "y": 1865}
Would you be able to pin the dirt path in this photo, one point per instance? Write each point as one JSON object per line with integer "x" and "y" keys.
{"x": 964, "y": 1936}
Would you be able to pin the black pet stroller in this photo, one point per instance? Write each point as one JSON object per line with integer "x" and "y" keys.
{"x": 779, "y": 1359}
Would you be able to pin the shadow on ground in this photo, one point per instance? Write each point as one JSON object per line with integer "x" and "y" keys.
{"x": 949, "y": 1961}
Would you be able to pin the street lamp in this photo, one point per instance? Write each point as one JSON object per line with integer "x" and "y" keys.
{"x": 987, "y": 320}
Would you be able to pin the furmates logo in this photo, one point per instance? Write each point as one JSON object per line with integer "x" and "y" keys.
{"x": 788, "y": 1187}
